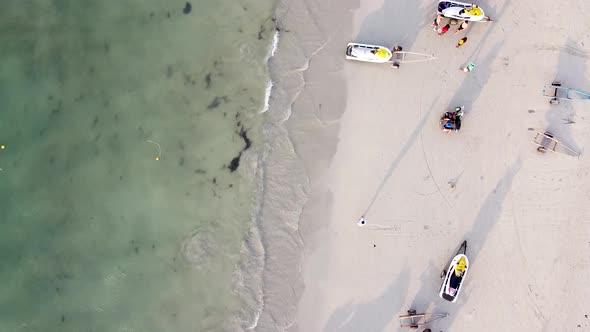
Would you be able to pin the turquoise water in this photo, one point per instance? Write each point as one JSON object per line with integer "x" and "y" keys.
{"x": 96, "y": 234}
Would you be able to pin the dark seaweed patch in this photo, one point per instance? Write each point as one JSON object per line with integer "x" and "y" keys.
{"x": 244, "y": 135}
{"x": 260, "y": 32}
{"x": 187, "y": 8}
{"x": 208, "y": 81}
{"x": 107, "y": 46}
{"x": 181, "y": 161}
{"x": 169, "y": 71}
{"x": 217, "y": 101}
{"x": 187, "y": 79}
{"x": 200, "y": 171}
{"x": 235, "y": 163}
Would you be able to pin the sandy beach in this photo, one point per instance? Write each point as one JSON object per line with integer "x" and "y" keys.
{"x": 368, "y": 138}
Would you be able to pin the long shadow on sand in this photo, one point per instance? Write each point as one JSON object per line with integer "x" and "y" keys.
{"x": 571, "y": 70}
{"x": 402, "y": 153}
{"x": 474, "y": 82}
{"x": 484, "y": 222}
{"x": 396, "y": 22}
{"x": 371, "y": 316}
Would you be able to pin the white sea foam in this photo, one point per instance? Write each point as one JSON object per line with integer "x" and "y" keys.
{"x": 274, "y": 45}
{"x": 269, "y": 85}
{"x": 267, "y": 94}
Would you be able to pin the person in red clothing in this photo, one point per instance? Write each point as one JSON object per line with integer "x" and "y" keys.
{"x": 444, "y": 29}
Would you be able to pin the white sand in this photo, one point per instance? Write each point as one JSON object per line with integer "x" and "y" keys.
{"x": 525, "y": 215}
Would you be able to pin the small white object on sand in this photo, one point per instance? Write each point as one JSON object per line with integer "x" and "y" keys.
{"x": 362, "y": 222}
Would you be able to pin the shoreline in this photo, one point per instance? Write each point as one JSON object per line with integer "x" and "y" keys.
{"x": 288, "y": 165}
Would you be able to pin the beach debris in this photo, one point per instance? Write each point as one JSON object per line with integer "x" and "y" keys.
{"x": 461, "y": 42}
{"x": 452, "y": 185}
{"x": 468, "y": 67}
{"x": 362, "y": 222}
{"x": 187, "y": 8}
{"x": 159, "y": 149}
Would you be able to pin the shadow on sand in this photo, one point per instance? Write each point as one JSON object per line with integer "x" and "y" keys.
{"x": 379, "y": 312}
{"x": 474, "y": 83}
{"x": 405, "y": 148}
{"x": 397, "y": 22}
{"x": 571, "y": 70}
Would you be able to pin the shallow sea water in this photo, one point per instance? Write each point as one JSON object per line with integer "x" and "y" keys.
{"x": 96, "y": 234}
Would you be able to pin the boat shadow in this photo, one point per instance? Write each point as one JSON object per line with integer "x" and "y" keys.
{"x": 386, "y": 26}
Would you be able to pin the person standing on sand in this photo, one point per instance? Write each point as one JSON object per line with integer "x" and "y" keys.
{"x": 437, "y": 21}
{"x": 462, "y": 27}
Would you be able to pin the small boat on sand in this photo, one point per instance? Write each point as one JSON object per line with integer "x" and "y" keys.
{"x": 454, "y": 276}
{"x": 368, "y": 53}
{"x": 462, "y": 11}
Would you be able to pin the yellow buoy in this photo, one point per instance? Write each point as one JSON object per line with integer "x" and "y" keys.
{"x": 2, "y": 146}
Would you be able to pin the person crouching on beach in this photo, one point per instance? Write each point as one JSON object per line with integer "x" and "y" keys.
{"x": 461, "y": 42}
{"x": 468, "y": 67}
{"x": 444, "y": 29}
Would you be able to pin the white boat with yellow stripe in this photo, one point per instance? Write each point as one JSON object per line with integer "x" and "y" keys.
{"x": 382, "y": 54}
{"x": 462, "y": 11}
{"x": 455, "y": 275}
